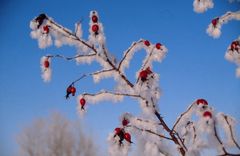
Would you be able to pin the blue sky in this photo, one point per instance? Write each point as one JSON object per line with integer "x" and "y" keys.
{"x": 194, "y": 67}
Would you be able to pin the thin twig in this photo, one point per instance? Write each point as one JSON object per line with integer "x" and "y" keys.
{"x": 149, "y": 131}
{"x": 126, "y": 53}
{"x": 70, "y": 58}
{"x": 178, "y": 120}
{"x": 218, "y": 138}
{"x": 231, "y": 131}
{"x": 114, "y": 93}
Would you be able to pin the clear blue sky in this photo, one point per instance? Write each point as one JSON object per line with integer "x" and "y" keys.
{"x": 194, "y": 67}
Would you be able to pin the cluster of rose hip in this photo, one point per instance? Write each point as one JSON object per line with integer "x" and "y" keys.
{"x": 95, "y": 26}
{"x": 121, "y": 133}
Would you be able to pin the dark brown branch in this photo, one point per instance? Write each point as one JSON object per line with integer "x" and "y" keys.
{"x": 113, "y": 93}
{"x": 175, "y": 140}
{"x": 102, "y": 71}
{"x": 149, "y": 131}
{"x": 71, "y": 35}
{"x": 218, "y": 138}
{"x": 70, "y": 58}
{"x": 147, "y": 121}
{"x": 116, "y": 69}
{"x": 129, "y": 49}
{"x": 143, "y": 66}
{"x": 178, "y": 120}
{"x": 195, "y": 134}
{"x": 231, "y": 131}
{"x": 229, "y": 154}
{"x": 190, "y": 123}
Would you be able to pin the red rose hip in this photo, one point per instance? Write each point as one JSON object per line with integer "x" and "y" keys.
{"x": 127, "y": 137}
{"x": 158, "y": 45}
{"x": 215, "y": 22}
{"x": 94, "y": 19}
{"x": 46, "y": 64}
{"x": 46, "y": 29}
{"x": 202, "y": 101}
{"x": 147, "y": 43}
{"x": 125, "y": 122}
{"x": 95, "y": 28}
{"x": 207, "y": 114}
{"x": 82, "y": 102}
{"x": 73, "y": 90}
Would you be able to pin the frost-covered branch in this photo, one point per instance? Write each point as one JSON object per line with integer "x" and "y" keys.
{"x": 149, "y": 131}
{"x": 71, "y": 58}
{"x": 214, "y": 28}
{"x": 104, "y": 96}
{"x": 154, "y": 53}
{"x": 184, "y": 116}
{"x": 233, "y": 54}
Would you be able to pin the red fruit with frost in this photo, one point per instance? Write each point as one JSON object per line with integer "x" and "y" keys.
{"x": 202, "y": 101}
{"x": 69, "y": 89}
{"x": 143, "y": 75}
{"x": 127, "y": 137}
{"x": 147, "y": 43}
{"x": 73, "y": 90}
{"x": 82, "y": 102}
{"x": 117, "y": 130}
{"x": 94, "y": 19}
{"x": 215, "y": 22}
{"x": 95, "y": 28}
{"x": 125, "y": 122}
{"x": 46, "y": 29}
{"x": 207, "y": 114}
{"x": 234, "y": 45}
{"x": 158, "y": 45}
{"x": 46, "y": 64}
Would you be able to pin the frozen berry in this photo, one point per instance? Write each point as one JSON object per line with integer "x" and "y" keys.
{"x": 143, "y": 75}
{"x": 46, "y": 29}
{"x": 46, "y": 64}
{"x": 234, "y": 45}
{"x": 95, "y": 28}
{"x": 73, "y": 90}
{"x": 158, "y": 45}
{"x": 117, "y": 130}
{"x": 147, "y": 43}
{"x": 127, "y": 137}
{"x": 125, "y": 122}
{"x": 215, "y": 22}
{"x": 94, "y": 19}
{"x": 82, "y": 102}
{"x": 202, "y": 101}
{"x": 207, "y": 114}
